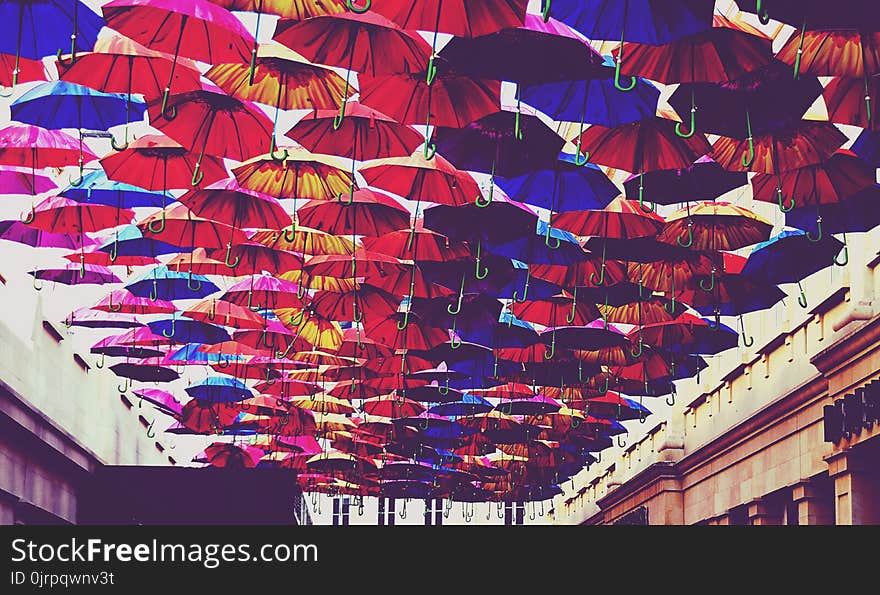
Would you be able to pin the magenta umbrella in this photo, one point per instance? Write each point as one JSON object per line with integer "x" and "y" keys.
{"x": 16, "y": 231}
{"x": 73, "y": 274}
{"x": 13, "y": 181}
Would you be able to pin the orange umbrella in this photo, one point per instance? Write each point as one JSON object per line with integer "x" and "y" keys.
{"x": 715, "y": 226}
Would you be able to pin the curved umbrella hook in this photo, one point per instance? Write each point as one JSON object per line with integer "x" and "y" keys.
{"x": 693, "y": 128}
{"x": 454, "y": 311}
{"x": 711, "y": 282}
{"x": 351, "y": 6}
{"x": 845, "y": 261}
{"x": 818, "y": 236}
{"x": 480, "y": 201}
{"x": 618, "y": 62}
{"x": 749, "y": 156}
{"x": 802, "y": 298}
{"x": 165, "y": 334}
{"x": 480, "y": 275}
{"x": 747, "y": 342}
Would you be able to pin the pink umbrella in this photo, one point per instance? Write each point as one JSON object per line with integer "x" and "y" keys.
{"x": 18, "y": 182}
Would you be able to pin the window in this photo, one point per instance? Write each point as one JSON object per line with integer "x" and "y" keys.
{"x": 514, "y": 513}
{"x": 434, "y": 512}
{"x": 386, "y": 511}
{"x": 341, "y": 510}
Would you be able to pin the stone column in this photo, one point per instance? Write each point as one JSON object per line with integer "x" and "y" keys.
{"x": 760, "y": 513}
{"x": 814, "y": 508}
{"x": 856, "y": 490}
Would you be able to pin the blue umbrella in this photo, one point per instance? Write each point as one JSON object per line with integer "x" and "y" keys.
{"x": 857, "y": 213}
{"x": 537, "y": 288}
{"x": 548, "y": 246}
{"x": 219, "y": 389}
{"x": 642, "y": 21}
{"x": 131, "y": 242}
{"x": 595, "y": 101}
{"x": 468, "y": 405}
{"x": 97, "y": 189}
{"x": 59, "y": 104}
{"x": 790, "y": 257}
{"x": 565, "y": 187}
{"x": 708, "y": 339}
{"x": 191, "y": 353}
{"x": 867, "y": 146}
{"x": 509, "y": 331}
{"x": 164, "y": 284}
{"x": 185, "y": 330}
{"x": 37, "y": 28}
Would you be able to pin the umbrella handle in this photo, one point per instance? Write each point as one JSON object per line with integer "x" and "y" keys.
{"x": 189, "y": 284}
{"x": 525, "y": 293}
{"x": 121, "y": 147}
{"x": 278, "y": 158}
{"x": 818, "y": 236}
{"x": 621, "y": 443}
{"x": 802, "y": 298}
{"x": 601, "y": 280}
{"x": 259, "y": 307}
{"x": 357, "y": 314}
{"x": 742, "y": 327}
{"x": 711, "y": 282}
{"x": 347, "y": 202}
{"x": 126, "y": 384}
{"x": 431, "y": 73}
{"x": 30, "y": 216}
{"x": 548, "y": 355}
{"x": 14, "y": 80}
{"x": 749, "y": 156}
{"x": 290, "y": 234}
{"x": 569, "y": 318}
{"x": 845, "y": 261}
{"x": 298, "y": 319}
{"x": 547, "y": 240}
{"x": 78, "y": 180}
{"x": 690, "y": 237}
{"x": 270, "y": 380}
{"x": 301, "y": 290}
{"x": 198, "y": 174}
{"x": 670, "y": 400}
{"x": 578, "y": 161}
{"x": 651, "y": 207}
{"x": 617, "y": 64}
{"x": 161, "y": 227}
{"x": 111, "y": 306}
{"x": 38, "y": 287}
{"x": 545, "y": 10}
{"x": 231, "y": 265}
{"x": 641, "y": 349}
{"x": 454, "y": 311}
{"x": 100, "y": 363}
{"x": 150, "y": 432}
{"x": 455, "y": 342}
{"x": 800, "y": 50}
{"x": 357, "y": 10}
{"x": 114, "y": 251}
{"x": 693, "y": 127}
{"x": 61, "y": 60}
{"x": 402, "y": 324}
{"x": 781, "y": 200}
{"x": 485, "y": 203}
{"x": 480, "y": 275}
{"x": 762, "y": 12}
{"x": 165, "y": 334}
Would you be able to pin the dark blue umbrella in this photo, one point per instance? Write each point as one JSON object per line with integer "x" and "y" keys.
{"x": 59, "y": 104}
{"x": 38, "y": 28}
{"x": 563, "y": 187}
{"x": 219, "y": 389}
{"x": 857, "y": 213}
{"x": 548, "y": 246}
{"x": 790, "y": 257}
{"x": 708, "y": 340}
{"x": 508, "y": 331}
{"x": 595, "y": 101}
{"x": 185, "y": 330}
{"x": 468, "y": 405}
{"x": 164, "y": 284}
{"x": 537, "y": 288}
{"x": 705, "y": 180}
{"x": 131, "y": 242}
{"x": 641, "y": 21}
{"x": 97, "y": 189}
{"x": 867, "y": 146}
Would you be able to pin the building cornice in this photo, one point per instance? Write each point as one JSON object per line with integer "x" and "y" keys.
{"x": 864, "y": 336}
{"x": 645, "y": 477}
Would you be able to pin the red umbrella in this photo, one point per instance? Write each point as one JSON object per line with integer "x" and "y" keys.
{"x": 227, "y": 203}
{"x": 250, "y": 258}
{"x": 124, "y": 302}
{"x": 364, "y": 134}
{"x": 102, "y": 258}
{"x": 365, "y": 213}
{"x": 365, "y": 304}
{"x": 156, "y": 162}
{"x": 841, "y": 176}
{"x": 264, "y": 291}
{"x": 622, "y": 219}
{"x": 63, "y": 215}
{"x": 233, "y": 456}
{"x": 225, "y": 313}
{"x": 558, "y": 310}
{"x": 362, "y": 263}
{"x": 204, "y": 416}
{"x": 197, "y": 263}
{"x": 274, "y": 336}
{"x": 456, "y": 17}
{"x": 416, "y": 335}
{"x": 392, "y": 406}
{"x": 355, "y": 344}
{"x": 577, "y": 274}
{"x": 212, "y": 123}
{"x": 180, "y": 227}
{"x": 644, "y": 145}
{"x": 418, "y": 244}
{"x": 723, "y": 53}
{"x": 418, "y": 179}
{"x": 366, "y": 43}
{"x": 197, "y": 29}
{"x": 24, "y": 145}
{"x": 15, "y": 69}
{"x": 450, "y": 99}
{"x": 846, "y": 104}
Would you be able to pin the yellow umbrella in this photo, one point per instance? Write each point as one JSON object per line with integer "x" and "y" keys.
{"x": 715, "y": 226}
{"x": 305, "y": 241}
{"x": 315, "y": 330}
{"x": 319, "y": 282}
{"x": 323, "y": 404}
{"x": 298, "y": 175}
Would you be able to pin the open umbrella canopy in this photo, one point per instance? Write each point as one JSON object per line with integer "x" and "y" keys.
{"x": 453, "y": 278}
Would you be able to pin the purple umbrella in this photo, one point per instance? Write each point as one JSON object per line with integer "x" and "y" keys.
{"x": 16, "y": 231}
{"x": 87, "y": 274}
{"x": 88, "y": 318}
{"x": 537, "y": 405}
{"x": 704, "y": 180}
{"x": 18, "y": 182}
{"x": 163, "y": 400}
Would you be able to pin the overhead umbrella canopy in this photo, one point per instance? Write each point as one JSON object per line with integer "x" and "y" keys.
{"x": 426, "y": 249}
